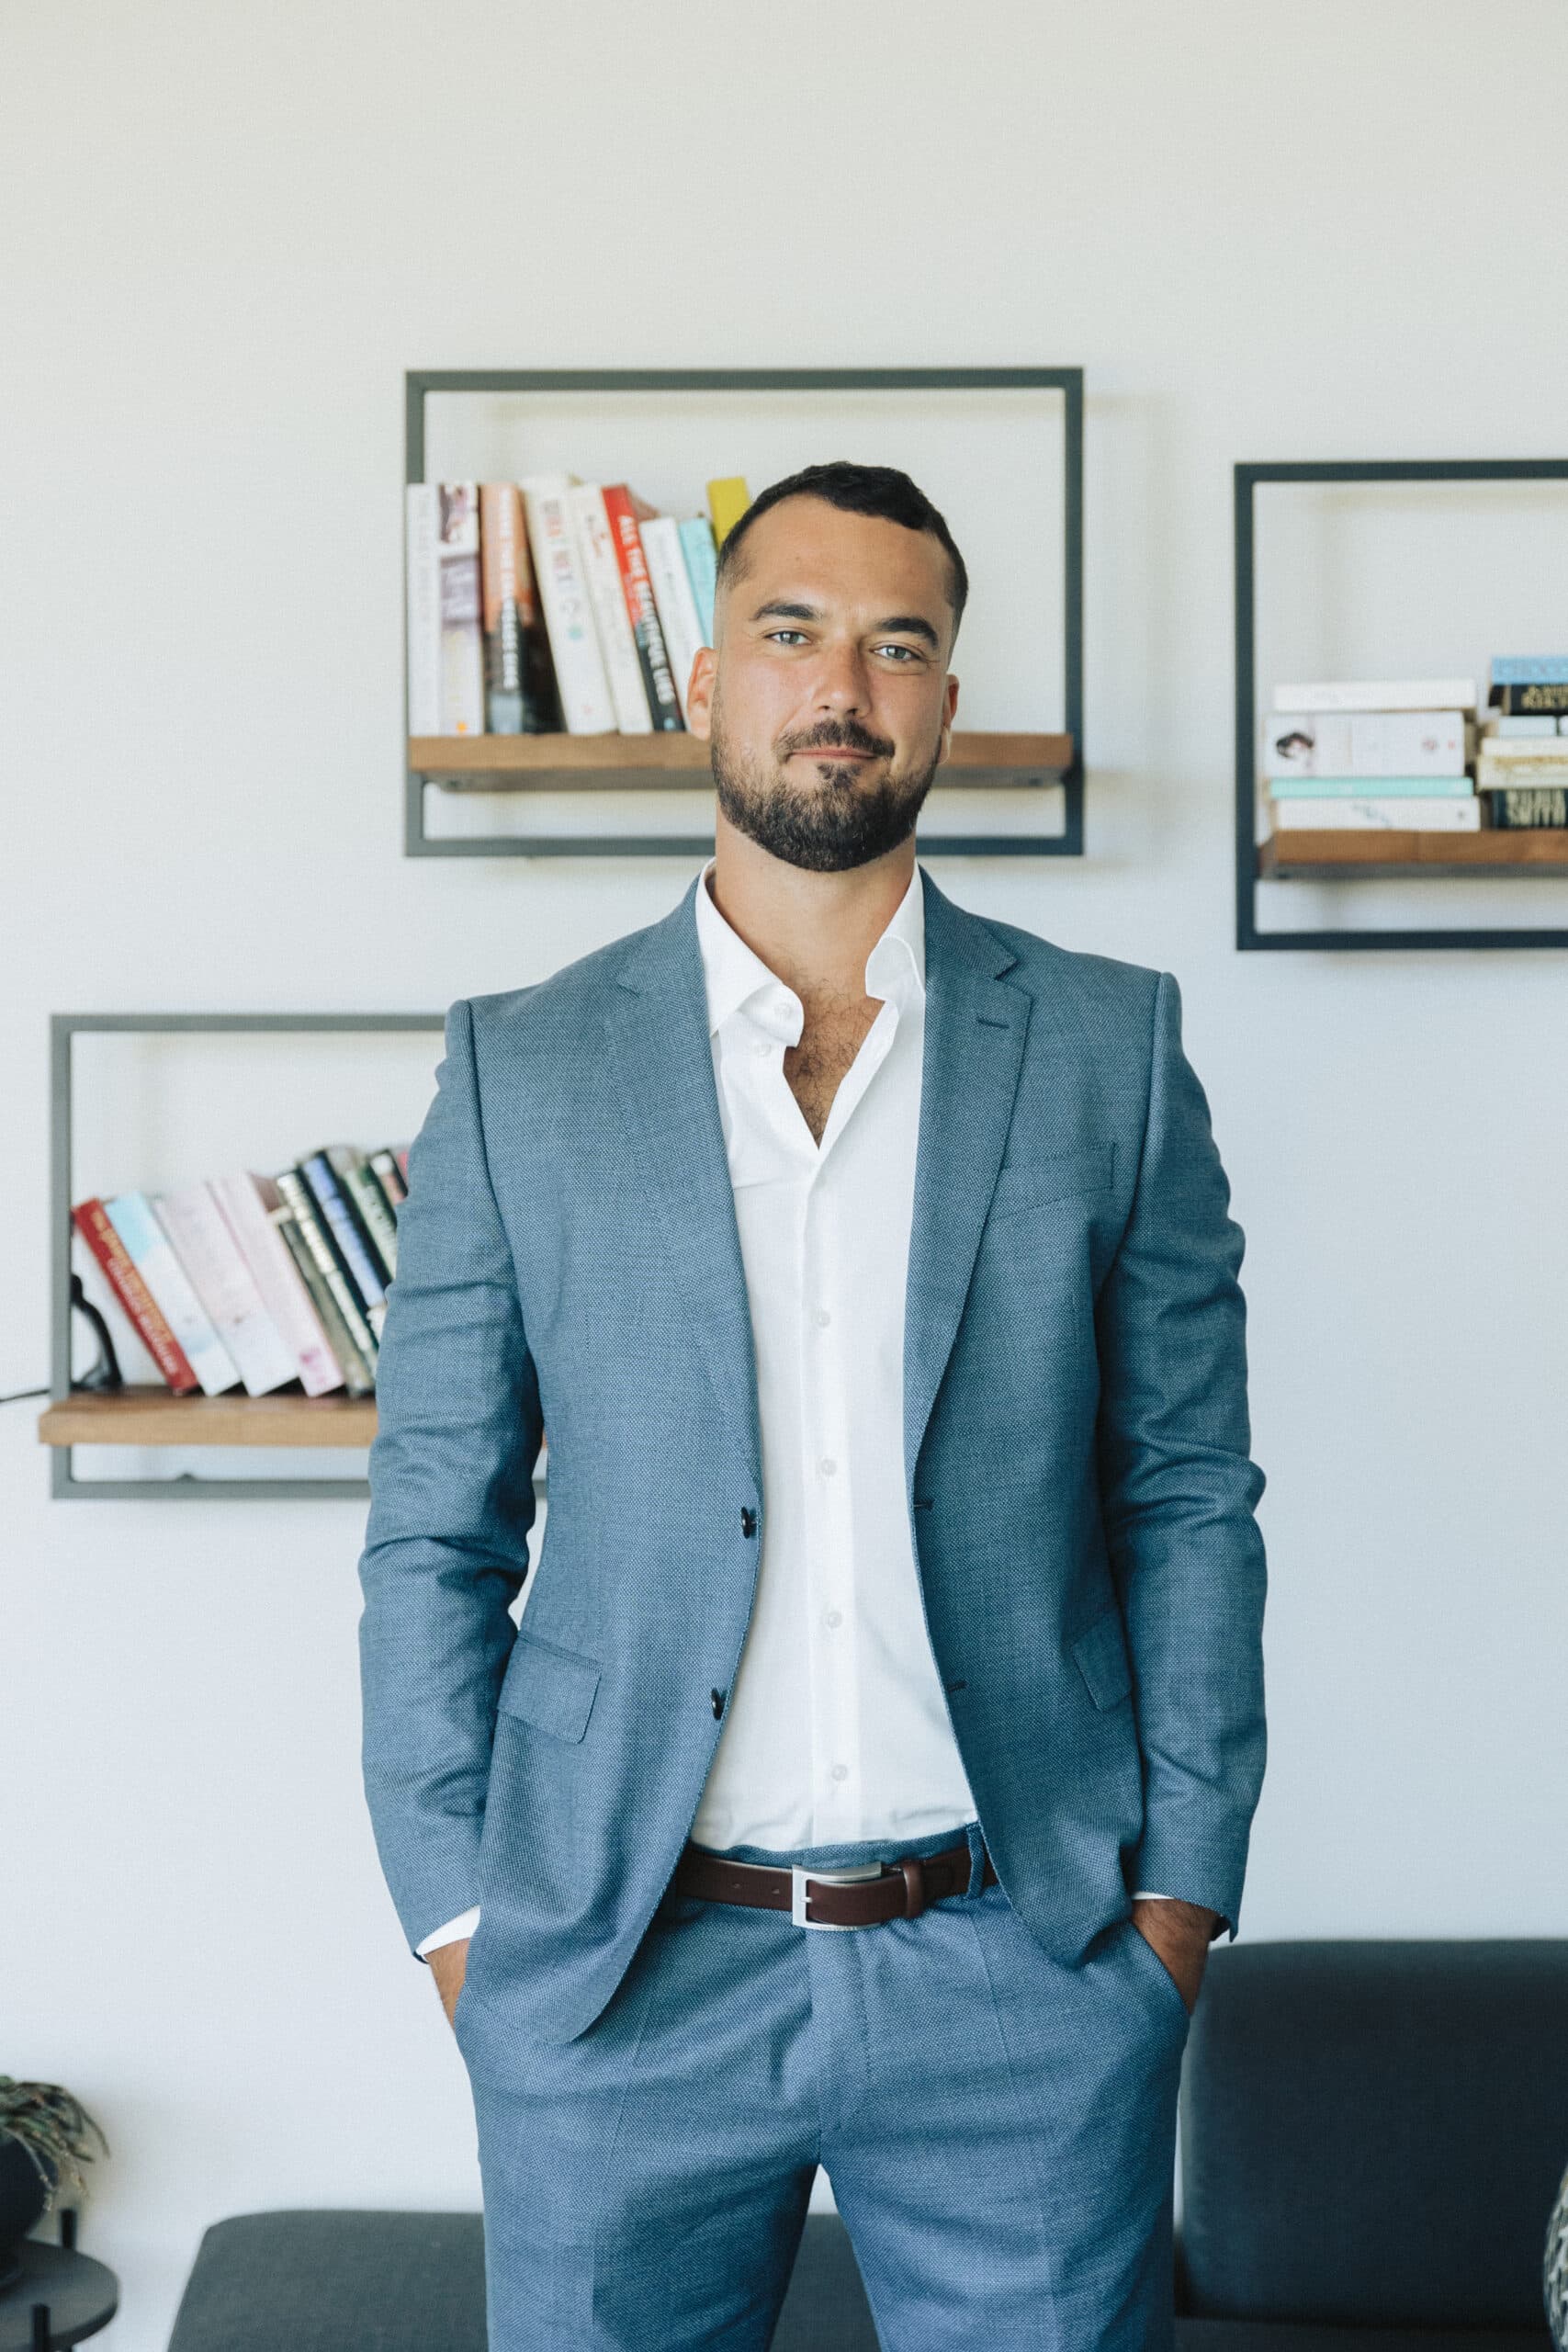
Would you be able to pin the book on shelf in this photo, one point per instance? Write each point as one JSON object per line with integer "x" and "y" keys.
{"x": 618, "y": 646}
{"x": 347, "y": 1236}
{"x": 223, "y": 1281}
{"x": 678, "y": 616}
{"x": 1529, "y": 685}
{"x": 313, "y": 1231}
{"x": 1357, "y": 787}
{"x": 357, "y": 1374}
{"x": 1518, "y": 727}
{"x": 586, "y": 701}
{"x": 1365, "y": 743}
{"x": 160, "y": 1267}
{"x": 520, "y": 684}
{"x": 1535, "y": 760}
{"x": 146, "y": 1318}
{"x": 626, "y": 514}
{"x": 538, "y": 606}
{"x": 1375, "y": 812}
{"x": 251, "y": 1204}
{"x": 1529, "y": 807}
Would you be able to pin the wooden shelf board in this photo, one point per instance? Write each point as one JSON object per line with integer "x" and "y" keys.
{"x": 614, "y": 763}
{"x": 1330, "y": 855}
{"x": 149, "y": 1416}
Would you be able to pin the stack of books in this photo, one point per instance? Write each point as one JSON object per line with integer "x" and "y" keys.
{"x": 1522, "y": 767}
{"x": 554, "y": 605}
{"x": 1357, "y": 754}
{"x": 258, "y": 1282}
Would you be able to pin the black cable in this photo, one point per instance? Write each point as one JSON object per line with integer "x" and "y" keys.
{"x": 18, "y": 1393}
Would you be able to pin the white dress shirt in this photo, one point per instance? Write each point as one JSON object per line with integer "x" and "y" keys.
{"x": 836, "y": 1729}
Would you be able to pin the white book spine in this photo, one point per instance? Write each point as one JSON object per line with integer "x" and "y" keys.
{"x": 1390, "y": 815}
{"x": 224, "y": 1284}
{"x": 587, "y": 704}
{"x": 246, "y": 1201}
{"x": 424, "y": 593}
{"x": 601, "y": 567}
{"x": 1368, "y": 743}
{"x": 672, "y": 596}
{"x": 462, "y": 610}
{"x": 1379, "y": 693}
{"x": 130, "y": 1214}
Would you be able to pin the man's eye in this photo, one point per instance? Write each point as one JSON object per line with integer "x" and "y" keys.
{"x": 908, "y": 651}
{"x": 787, "y": 632}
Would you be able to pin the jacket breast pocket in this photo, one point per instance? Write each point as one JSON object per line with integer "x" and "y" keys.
{"x": 1024, "y": 1184}
{"x": 551, "y": 1688}
{"x": 1101, "y": 1652}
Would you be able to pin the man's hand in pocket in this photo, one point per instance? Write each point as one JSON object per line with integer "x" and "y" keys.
{"x": 448, "y": 1965}
{"x": 1179, "y": 1933}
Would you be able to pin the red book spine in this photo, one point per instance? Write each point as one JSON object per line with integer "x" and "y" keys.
{"x": 625, "y": 510}
{"x": 92, "y": 1222}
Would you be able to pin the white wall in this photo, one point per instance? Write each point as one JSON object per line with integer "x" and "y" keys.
{"x": 1317, "y": 229}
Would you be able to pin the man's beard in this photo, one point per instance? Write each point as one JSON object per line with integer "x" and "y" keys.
{"x": 828, "y": 824}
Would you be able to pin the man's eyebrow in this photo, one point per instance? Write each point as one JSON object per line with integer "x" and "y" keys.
{"x": 904, "y": 623}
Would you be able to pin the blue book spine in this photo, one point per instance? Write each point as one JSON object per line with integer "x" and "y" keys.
{"x": 1531, "y": 670}
{"x": 701, "y": 563}
{"x": 1365, "y": 787}
{"x": 322, "y": 1182}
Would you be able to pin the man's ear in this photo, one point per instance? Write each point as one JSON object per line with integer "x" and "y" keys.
{"x": 699, "y": 693}
{"x": 949, "y": 704}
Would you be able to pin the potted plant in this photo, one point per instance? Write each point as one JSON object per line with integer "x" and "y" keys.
{"x": 43, "y": 2140}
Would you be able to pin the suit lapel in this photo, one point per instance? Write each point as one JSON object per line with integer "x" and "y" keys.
{"x": 976, "y": 1026}
{"x": 662, "y": 1061}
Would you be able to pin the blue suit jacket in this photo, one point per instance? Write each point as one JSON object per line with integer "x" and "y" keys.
{"x": 1076, "y": 1442}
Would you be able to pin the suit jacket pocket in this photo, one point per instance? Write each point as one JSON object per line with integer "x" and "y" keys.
{"x": 1102, "y": 1660}
{"x": 551, "y": 1688}
{"x": 1024, "y": 1185}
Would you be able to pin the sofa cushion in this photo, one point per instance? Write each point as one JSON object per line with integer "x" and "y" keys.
{"x": 1372, "y": 2133}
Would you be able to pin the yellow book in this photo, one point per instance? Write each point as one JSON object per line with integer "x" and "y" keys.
{"x": 727, "y": 500}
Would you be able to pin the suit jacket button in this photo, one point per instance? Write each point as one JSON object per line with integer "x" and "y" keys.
{"x": 718, "y": 1702}
{"x": 748, "y": 1521}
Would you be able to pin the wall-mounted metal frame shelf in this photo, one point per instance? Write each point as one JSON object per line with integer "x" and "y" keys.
{"x": 142, "y": 1415}
{"x": 1343, "y": 855}
{"x": 621, "y": 763}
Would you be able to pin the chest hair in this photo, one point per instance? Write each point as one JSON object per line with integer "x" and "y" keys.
{"x": 833, "y": 1031}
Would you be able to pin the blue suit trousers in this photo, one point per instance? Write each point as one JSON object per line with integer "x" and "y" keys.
{"x": 998, "y": 2126}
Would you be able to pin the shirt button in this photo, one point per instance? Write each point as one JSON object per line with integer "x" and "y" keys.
{"x": 840, "y": 1771}
{"x": 822, "y": 1318}
{"x": 835, "y": 1616}
{"x": 826, "y": 1466}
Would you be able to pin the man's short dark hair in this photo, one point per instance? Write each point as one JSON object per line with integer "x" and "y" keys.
{"x": 884, "y": 491}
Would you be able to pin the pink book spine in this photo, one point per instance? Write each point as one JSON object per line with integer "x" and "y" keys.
{"x": 246, "y": 1201}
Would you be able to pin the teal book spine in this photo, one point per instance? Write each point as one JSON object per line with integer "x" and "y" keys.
{"x": 702, "y": 564}
{"x": 1358, "y": 788}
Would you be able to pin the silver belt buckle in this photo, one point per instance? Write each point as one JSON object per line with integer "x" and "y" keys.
{"x": 797, "y": 1879}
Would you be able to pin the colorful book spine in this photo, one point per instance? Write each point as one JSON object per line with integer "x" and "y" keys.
{"x": 672, "y": 595}
{"x": 520, "y": 692}
{"x": 343, "y": 1231}
{"x": 223, "y": 1281}
{"x": 1529, "y": 807}
{"x": 1531, "y": 670}
{"x": 1355, "y": 787}
{"x": 462, "y": 611}
{"x": 311, "y": 1226}
{"x": 377, "y": 1222}
{"x": 727, "y": 500}
{"x": 587, "y": 704}
{"x": 601, "y": 571}
{"x": 1530, "y": 701}
{"x": 627, "y": 512}
{"x": 148, "y": 1319}
{"x": 159, "y": 1266}
{"x": 358, "y": 1380}
{"x": 384, "y": 1166}
{"x": 423, "y": 577}
{"x": 247, "y": 1203}
{"x": 701, "y": 565}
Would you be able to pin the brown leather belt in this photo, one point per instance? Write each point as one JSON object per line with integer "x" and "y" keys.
{"x": 831, "y": 1898}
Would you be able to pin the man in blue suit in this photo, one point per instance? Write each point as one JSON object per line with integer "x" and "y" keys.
{"x": 875, "y": 1756}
